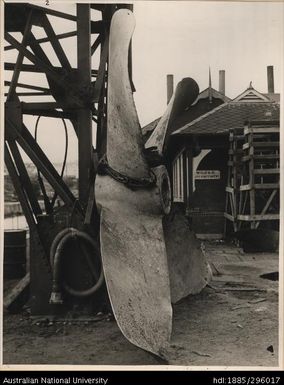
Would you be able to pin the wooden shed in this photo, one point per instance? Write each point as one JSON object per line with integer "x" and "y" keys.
{"x": 197, "y": 153}
{"x": 199, "y": 168}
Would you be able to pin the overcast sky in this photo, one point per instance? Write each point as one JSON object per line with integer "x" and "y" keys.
{"x": 184, "y": 38}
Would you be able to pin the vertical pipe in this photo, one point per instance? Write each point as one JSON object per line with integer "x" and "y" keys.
{"x": 222, "y": 82}
{"x": 84, "y": 116}
{"x": 270, "y": 80}
{"x": 170, "y": 87}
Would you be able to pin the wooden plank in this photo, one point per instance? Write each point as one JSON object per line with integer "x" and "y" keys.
{"x": 262, "y": 136}
{"x": 42, "y": 65}
{"x": 245, "y": 187}
{"x": 242, "y": 202}
{"x": 258, "y": 217}
{"x": 60, "y": 36}
{"x": 28, "y": 86}
{"x": 97, "y": 90}
{"x": 84, "y": 115}
{"x": 265, "y": 208}
{"x": 40, "y": 106}
{"x": 266, "y": 186}
{"x": 33, "y": 68}
{"x": 233, "y": 204}
{"x": 18, "y": 188}
{"x": 230, "y": 217}
{"x": 50, "y": 113}
{"x": 251, "y": 180}
{"x": 24, "y": 67}
{"x": 40, "y": 60}
{"x": 38, "y": 157}
{"x": 266, "y": 171}
{"x": 267, "y": 156}
{"x": 259, "y": 186}
{"x": 30, "y": 93}
{"x": 55, "y": 43}
{"x": 17, "y": 297}
{"x": 24, "y": 177}
{"x": 96, "y": 43}
{"x": 90, "y": 206}
{"x": 260, "y": 144}
{"x": 46, "y": 39}
{"x": 258, "y": 157}
{"x": 266, "y": 144}
{"x": 260, "y": 130}
{"x": 20, "y": 58}
{"x": 52, "y": 12}
{"x": 233, "y": 137}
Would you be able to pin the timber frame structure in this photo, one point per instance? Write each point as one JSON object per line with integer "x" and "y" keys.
{"x": 252, "y": 192}
{"x": 79, "y": 94}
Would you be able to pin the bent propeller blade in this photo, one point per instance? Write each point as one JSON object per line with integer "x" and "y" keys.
{"x": 185, "y": 93}
{"x": 189, "y": 271}
{"x": 131, "y": 233}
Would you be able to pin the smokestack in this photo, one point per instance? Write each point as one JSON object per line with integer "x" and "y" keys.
{"x": 222, "y": 82}
{"x": 270, "y": 80}
{"x": 170, "y": 87}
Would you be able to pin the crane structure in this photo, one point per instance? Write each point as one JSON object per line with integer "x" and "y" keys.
{"x": 74, "y": 94}
{"x": 118, "y": 242}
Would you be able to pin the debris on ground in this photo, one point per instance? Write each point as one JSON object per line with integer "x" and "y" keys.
{"x": 200, "y": 322}
{"x": 201, "y": 354}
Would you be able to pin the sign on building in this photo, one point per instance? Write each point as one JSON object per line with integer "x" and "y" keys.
{"x": 207, "y": 174}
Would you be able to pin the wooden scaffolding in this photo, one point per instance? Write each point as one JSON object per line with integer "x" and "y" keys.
{"x": 252, "y": 192}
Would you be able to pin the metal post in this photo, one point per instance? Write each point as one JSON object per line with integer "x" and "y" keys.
{"x": 84, "y": 113}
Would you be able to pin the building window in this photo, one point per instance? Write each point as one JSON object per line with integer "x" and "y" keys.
{"x": 178, "y": 182}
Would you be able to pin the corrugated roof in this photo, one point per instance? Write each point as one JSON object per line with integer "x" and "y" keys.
{"x": 230, "y": 115}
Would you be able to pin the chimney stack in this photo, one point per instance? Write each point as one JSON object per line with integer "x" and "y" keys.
{"x": 270, "y": 80}
{"x": 170, "y": 87}
{"x": 222, "y": 82}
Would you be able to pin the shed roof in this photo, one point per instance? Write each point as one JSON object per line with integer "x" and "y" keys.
{"x": 214, "y": 93}
{"x": 274, "y": 97}
{"x": 230, "y": 115}
{"x": 202, "y": 95}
